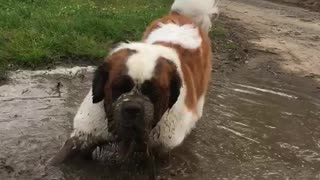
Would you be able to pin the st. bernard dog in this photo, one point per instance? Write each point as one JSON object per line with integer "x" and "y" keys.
{"x": 149, "y": 93}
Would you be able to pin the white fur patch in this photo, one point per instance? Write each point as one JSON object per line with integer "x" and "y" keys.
{"x": 201, "y": 11}
{"x": 186, "y": 36}
{"x": 141, "y": 65}
{"x": 140, "y": 69}
{"x": 200, "y": 106}
{"x": 90, "y": 120}
{"x": 175, "y": 124}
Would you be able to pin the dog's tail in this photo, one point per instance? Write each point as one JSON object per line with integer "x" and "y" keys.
{"x": 203, "y": 12}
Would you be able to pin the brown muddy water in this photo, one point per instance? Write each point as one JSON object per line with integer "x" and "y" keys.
{"x": 255, "y": 126}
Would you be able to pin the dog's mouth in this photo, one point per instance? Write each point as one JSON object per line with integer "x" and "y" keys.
{"x": 131, "y": 141}
{"x": 120, "y": 151}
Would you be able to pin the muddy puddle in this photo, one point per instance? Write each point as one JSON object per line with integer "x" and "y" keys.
{"x": 255, "y": 126}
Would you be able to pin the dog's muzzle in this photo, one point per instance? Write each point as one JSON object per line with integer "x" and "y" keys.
{"x": 133, "y": 114}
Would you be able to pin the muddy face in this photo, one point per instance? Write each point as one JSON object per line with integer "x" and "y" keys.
{"x": 135, "y": 102}
{"x": 131, "y": 119}
{"x": 129, "y": 110}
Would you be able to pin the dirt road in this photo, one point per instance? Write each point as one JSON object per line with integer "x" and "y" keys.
{"x": 291, "y": 32}
{"x": 261, "y": 118}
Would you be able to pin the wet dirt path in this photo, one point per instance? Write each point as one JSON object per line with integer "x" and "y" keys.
{"x": 261, "y": 121}
{"x": 255, "y": 126}
{"x": 291, "y": 32}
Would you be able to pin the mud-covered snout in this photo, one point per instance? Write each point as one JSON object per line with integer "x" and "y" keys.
{"x": 133, "y": 123}
{"x": 133, "y": 115}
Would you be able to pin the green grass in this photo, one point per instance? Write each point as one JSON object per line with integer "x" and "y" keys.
{"x": 218, "y": 31}
{"x": 222, "y": 34}
{"x": 34, "y": 33}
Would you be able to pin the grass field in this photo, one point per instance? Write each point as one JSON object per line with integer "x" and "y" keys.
{"x": 36, "y": 33}
{"x": 44, "y": 33}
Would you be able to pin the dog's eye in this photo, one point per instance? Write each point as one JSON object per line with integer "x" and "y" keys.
{"x": 121, "y": 86}
{"x": 150, "y": 90}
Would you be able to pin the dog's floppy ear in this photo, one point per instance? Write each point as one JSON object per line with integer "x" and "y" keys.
{"x": 100, "y": 79}
{"x": 175, "y": 85}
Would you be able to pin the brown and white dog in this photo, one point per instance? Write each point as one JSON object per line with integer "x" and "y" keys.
{"x": 153, "y": 91}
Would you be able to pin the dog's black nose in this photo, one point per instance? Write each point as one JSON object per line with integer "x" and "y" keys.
{"x": 132, "y": 110}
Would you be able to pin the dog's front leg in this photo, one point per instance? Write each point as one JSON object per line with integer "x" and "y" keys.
{"x": 90, "y": 129}
{"x": 172, "y": 128}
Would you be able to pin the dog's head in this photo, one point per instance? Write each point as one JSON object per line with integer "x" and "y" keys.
{"x": 138, "y": 83}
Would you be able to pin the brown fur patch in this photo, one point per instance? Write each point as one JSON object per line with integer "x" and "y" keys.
{"x": 116, "y": 67}
{"x": 195, "y": 63}
{"x": 162, "y": 87}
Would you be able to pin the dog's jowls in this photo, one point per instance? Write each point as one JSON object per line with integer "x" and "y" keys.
{"x": 152, "y": 92}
